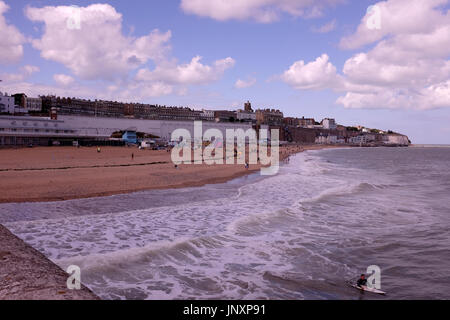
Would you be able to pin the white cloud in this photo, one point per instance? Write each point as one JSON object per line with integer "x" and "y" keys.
{"x": 37, "y": 89}
{"x": 434, "y": 96}
{"x": 328, "y": 27}
{"x": 318, "y": 74}
{"x": 407, "y": 67}
{"x": 24, "y": 73}
{"x": 94, "y": 47}
{"x": 90, "y": 42}
{"x": 29, "y": 70}
{"x": 241, "y": 84}
{"x": 156, "y": 89}
{"x": 11, "y": 40}
{"x": 398, "y": 18}
{"x": 63, "y": 79}
{"x": 125, "y": 93}
{"x": 259, "y": 10}
{"x": 186, "y": 74}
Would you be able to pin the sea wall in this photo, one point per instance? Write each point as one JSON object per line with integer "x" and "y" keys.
{"x": 26, "y": 274}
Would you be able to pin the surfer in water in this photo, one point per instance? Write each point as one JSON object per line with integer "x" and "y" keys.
{"x": 361, "y": 281}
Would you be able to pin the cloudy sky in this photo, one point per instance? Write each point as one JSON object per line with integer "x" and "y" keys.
{"x": 379, "y": 64}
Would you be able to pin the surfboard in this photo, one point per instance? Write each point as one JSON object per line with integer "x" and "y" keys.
{"x": 366, "y": 289}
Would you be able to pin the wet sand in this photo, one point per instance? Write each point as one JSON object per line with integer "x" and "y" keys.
{"x": 62, "y": 173}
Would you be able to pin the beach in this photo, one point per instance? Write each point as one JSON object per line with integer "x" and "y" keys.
{"x": 63, "y": 173}
{"x": 300, "y": 234}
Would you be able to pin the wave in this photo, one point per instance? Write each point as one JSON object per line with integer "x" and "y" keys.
{"x": 254, "y": 223}
{"x": 183, "y": 248}
{"x": 348, "y": 188}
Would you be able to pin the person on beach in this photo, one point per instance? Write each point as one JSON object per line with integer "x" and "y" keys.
{"x": 98, "y": 149}
{"x": 362, "y": 281}
{"x": 132, "y": 156}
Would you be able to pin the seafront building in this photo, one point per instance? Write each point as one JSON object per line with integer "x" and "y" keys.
{"x": 6, "y": 103}
{"x": 329, "y": 124}
{"x": 207, "y": 115}
{"x": 225, "y": 116}
{"x": 28, "y": 103}
{"x": 65, "y": 120}
{"x": 269, "y": 116}
{"x": 26, "y": 130}
{"x": 66, "y": 129}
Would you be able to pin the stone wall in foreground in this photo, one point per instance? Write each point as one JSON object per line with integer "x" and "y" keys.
{"x": 26, "y": 274}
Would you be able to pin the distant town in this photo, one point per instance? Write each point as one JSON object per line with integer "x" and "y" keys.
{"x": 51, "y": 120}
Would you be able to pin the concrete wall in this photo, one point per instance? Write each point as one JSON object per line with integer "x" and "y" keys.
{"x": 161, "y": 128}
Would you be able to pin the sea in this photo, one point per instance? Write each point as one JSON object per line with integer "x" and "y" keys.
{"x": 324, "y": 219}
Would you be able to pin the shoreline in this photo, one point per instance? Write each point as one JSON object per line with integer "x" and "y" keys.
{"x": 27, "y": 274}
{"x": 68, "y": 173}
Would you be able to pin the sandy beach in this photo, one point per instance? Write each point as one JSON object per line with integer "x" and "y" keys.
{"x": 62, "y": 173}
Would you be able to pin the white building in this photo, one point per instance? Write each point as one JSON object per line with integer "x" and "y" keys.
{"x": 362, "y": 139}
{"x": 33, "y": 104}
{"x": 26, "y": 129}
{"x": 329, "y": 124}
{"x": 208, "y": 115}
{"x": 326, "y": 140}
{"x": 315, "y": 126}
{"x": 243, "y": 115}
{"x": 20, "y": 110}
{"x": 6, "y": 103}
{"x": 104, "y": 127}
{"x": 23, "y": 130}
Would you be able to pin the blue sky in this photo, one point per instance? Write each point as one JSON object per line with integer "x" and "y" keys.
{"x": 261, "y": 52}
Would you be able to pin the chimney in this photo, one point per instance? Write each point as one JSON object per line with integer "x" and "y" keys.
{"x": 53, "y": 114}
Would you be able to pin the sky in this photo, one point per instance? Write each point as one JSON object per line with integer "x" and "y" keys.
{"x": 382, "y": 65}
